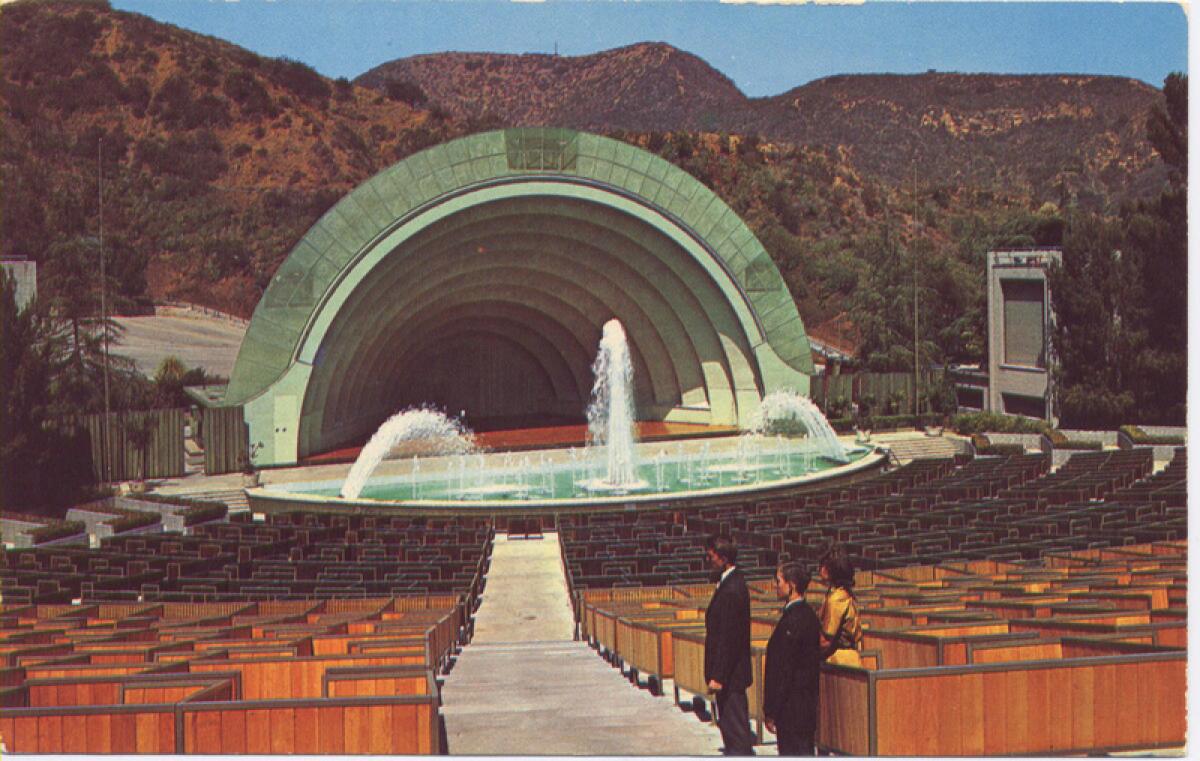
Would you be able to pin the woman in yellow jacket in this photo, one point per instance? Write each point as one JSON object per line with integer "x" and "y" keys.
{"x": 841, "y": 630}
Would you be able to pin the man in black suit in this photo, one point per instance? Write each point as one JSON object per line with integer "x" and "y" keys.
{"x": 727, "y": 648}
{"x": 793, "y": 668}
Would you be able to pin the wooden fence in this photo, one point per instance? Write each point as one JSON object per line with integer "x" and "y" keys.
{"x": 1048, "y": 707}
{"x": 223, "y": 430}
{"x": 827, "y": 389}
{"x": 114, "y": 458}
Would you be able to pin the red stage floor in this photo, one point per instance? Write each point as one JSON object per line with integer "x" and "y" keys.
{"x": 517, "y": 439}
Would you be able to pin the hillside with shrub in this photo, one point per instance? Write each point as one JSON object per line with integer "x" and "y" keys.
{"x": 216, "y": 160}
{"x": 1067, "y": 139}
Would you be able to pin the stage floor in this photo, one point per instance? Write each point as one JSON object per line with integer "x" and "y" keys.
{"x": 550, "y": 437}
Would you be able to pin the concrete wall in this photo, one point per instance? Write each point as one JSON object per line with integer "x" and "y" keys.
{"x": 1031, "y": 441}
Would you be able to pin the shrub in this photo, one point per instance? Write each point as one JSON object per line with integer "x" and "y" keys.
{"x": 137, "y": 94}
{"x": 299, "y": 79}
{"x": 1140, "y": 437}
{"x": 252, "y": 98}
{"x": 95, "y": 87}
{"x": 785, "y": 427}
{"x": 202, "y": 513}
{"x": 45, "y": 44}
{"x": 405, "y": 92}
{"x": 56, "y": 530}
{"x": 1000, "y": 450}
{"x": 1073, "y": 444}
{"x": 199, "y": 157}
{"x": 347, "y": 139}
{"x": 977, "y": 422}
{"x": 132, "y": 519}
{"x": 174, "y": 106}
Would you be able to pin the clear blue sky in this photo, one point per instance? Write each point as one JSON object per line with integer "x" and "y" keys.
{"x": 765, "y": 50}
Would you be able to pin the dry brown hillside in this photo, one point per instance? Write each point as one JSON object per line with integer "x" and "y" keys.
{"x": 648, "y": 86}
{"x": 215, "y": 159}
{"x": 1063, "y": 138}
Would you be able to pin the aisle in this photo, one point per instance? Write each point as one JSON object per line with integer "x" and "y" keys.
{"x": 523, "y": 686}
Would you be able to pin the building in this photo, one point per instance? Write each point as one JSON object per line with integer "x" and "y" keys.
{"x": 476, "y": 276}
{"x": 24, "y": 272}
{"x": 1020, "y": 319}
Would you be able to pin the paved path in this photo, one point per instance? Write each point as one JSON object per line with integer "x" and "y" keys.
{"x": 198, "y": 341}
{"x": 523, "y": 686}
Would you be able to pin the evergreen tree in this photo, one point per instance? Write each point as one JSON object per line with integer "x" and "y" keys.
{"x": 42, "y": 466}
{"x": 1120, "y": 297}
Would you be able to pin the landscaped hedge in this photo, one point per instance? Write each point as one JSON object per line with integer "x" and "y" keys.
{"x": 1060, "y": 441}
{"x": 1002, "y": 450}
{"x": 56, "y": 530}
{"x": 1140, "y": 437}
{"x": 1072, "y": 444}
{"x": 885, "y": 422}
{"x": 167, "y": 499}
{"x": 202, "y": 513}
{"x": 131, "y": 519}
{"x": 981, "y": 422}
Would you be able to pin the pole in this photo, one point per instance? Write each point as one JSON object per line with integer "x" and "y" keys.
{"x": 916, "y": 307}
{"x": 916, "y": 341}
{"x": 105, "y": 454}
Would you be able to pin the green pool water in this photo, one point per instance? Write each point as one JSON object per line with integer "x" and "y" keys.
{"x": 524, "y": 478}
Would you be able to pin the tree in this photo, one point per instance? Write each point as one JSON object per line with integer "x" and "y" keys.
{"x": 1120, "y": 296}
{"x": 882, "y": 306}
{"x": 73, "y": 301}
{"x": 1098, "y": 333}
{"x": 1167, "y": 127}
{"x": 42, "y": 466}
{"x": 168, "y": 378}
{"x": 139, "y": 430}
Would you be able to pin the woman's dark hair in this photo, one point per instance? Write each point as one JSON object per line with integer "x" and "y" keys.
{"x": 795, "y": 574}
{"x": 724, "y": 547}
{"x": 841, "y": 571}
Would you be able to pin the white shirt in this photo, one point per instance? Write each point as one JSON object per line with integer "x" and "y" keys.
{"x": 725, "y": 574}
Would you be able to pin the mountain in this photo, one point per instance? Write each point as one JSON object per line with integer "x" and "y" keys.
{"x": 1062, "y": 138}
{"x": 648, "y": 86}
{"x": 1058, "y": 135}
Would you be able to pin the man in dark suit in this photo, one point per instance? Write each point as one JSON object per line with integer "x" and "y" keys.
{"x": 727, "y": 648}
{"x": 793, "y": 669}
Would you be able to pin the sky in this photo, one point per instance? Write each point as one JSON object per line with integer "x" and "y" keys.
{"x": 764, "y": 49}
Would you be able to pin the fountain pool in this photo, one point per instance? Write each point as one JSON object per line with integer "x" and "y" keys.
{"x": 789, "y": 443}
{"x": 695, "y": 469}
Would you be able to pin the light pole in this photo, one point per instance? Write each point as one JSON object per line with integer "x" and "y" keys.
{"x": 107, "y": 460}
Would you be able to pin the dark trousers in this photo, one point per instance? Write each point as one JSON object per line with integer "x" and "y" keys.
{"x": 733, "y": 719}
{"x": 792, "y": 743}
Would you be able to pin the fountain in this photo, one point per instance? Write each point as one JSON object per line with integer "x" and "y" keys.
{"x": 610, "y": 414}
{"x": 428, "y": 427}
{"x": 788, "y": 442}
{"x": 783, "y": 411}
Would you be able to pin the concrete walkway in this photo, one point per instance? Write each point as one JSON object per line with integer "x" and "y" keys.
{"x": 524, "y": 687}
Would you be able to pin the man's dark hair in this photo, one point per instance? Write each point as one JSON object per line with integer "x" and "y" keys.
{"x": 795, "y": 574}
{"x": 841, "y": 570}
{"x": 724, "y": 547}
